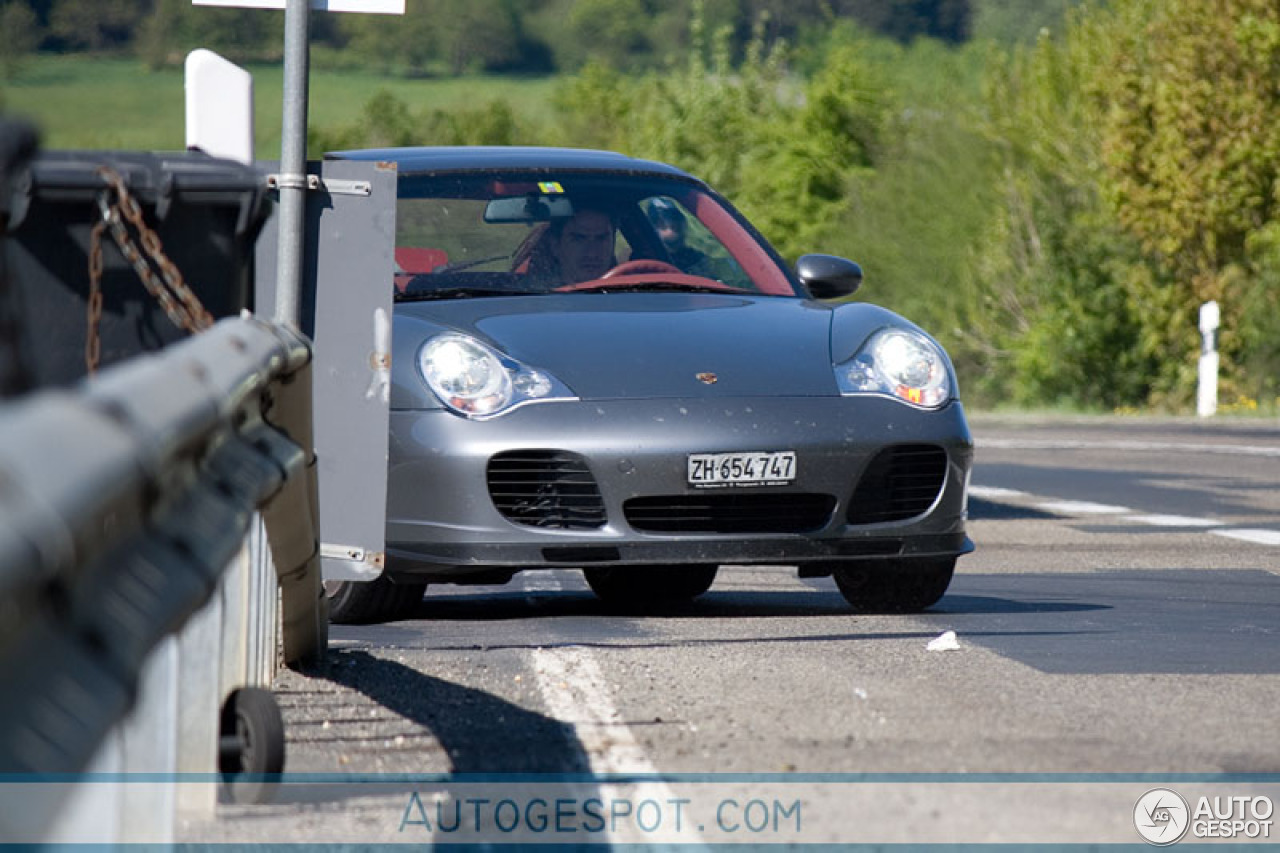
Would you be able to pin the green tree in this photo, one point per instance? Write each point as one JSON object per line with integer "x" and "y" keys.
{"x": 1141, "y": 177}
{"x": 946, "y": 20}
{"x": 797, "y": 182}
{"x": 388, "y": 121}
{"x": 1011, "y": 22}
{"x": 1257, "y": 333}
{"x": 96, "y": 24}
{"x": 386, "y": 43}
{"x": 19, "y": 35}
{"x": 1053, "y": 311}
{"x": 1192, "y": 149}
{"x": 449, "y": 36}
{"x": 176, "y": 27}
{"x": 783, "y": 149}
{"x": 616, "y": 31}
{"x": 477, "y": 34}
{"x": 593, "y": 108}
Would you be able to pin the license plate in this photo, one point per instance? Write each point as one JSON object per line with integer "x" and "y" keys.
{"x": 713, "y": 470}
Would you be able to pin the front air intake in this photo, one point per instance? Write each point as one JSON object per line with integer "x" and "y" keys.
{"x": 545, "y": 488}
{"x": 899, "y": 483}
{"x": 730, "y": 512}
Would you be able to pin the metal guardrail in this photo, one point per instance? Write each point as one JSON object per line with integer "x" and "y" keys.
{"x": 122, "y": 502}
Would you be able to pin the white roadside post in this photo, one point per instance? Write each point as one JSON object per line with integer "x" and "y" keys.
{"x": 219, "y": 106}
{"x": 1207, "y": 396}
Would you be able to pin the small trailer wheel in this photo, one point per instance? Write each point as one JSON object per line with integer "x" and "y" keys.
{"x": 251, "y": 745}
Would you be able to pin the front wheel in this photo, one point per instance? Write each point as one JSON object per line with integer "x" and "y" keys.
{"x": 645, "y": 585}
{"x": 906, "y": 586}
{"x": 365, "y": 602}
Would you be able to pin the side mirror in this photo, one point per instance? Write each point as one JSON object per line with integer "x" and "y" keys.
{"x": 828, "y": 277}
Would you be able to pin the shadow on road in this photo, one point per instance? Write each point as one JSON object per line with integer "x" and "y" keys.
{"x": 1175, "y": 621}
{"x": 1166, "y": 621}
{"x": 985, "y": 510}
{"x": 480, "y": 732}
{"x": 487, "y": 740}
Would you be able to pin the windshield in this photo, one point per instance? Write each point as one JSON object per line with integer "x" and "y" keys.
{"x": 499, "y": 234}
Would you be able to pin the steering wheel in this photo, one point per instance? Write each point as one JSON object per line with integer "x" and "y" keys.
{"x": 642, "y": 265}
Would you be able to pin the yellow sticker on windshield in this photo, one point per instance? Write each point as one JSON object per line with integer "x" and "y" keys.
{"x": 550, "y": 186}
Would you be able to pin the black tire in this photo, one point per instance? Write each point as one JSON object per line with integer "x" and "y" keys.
{"x": 907, "y": 586}
{"x": 645, "y": 585}
{"x": 366, "y": 602}
{"x": 251, "y": 745}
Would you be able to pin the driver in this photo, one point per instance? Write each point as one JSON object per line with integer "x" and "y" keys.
{"x": 579, "y": 248}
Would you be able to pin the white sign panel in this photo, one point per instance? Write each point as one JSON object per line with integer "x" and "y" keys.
{"x": 385, "y": 7}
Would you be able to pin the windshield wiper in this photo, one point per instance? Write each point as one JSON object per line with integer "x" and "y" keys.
{"x": 654, "y": 286}
{"x": 454, "y": 293}
{"x": 466, "y": 265}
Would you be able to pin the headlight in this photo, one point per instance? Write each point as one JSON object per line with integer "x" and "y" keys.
{"x": 901, "y": 363}
{"x": 475, "y": 380}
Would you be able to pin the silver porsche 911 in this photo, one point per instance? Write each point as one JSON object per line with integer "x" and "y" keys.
{"x": 598, "y": 363}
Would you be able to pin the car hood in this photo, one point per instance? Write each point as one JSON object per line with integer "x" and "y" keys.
{"x": 643, "y": 345}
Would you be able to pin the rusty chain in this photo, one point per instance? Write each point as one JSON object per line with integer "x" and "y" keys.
{"x": 92, "y": 344}
{"x": 168, "y": 287}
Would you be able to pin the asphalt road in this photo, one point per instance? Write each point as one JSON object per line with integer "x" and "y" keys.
{"x": 1118, "y": 628}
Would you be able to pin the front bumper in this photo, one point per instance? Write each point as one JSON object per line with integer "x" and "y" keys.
{"x": 443, "y": 524}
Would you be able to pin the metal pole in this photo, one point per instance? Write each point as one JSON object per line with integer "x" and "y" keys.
{"x": 293, "y": 164}
{"x": 304, "y": 609}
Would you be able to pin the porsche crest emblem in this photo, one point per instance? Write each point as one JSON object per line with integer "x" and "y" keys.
{"x": 708, "y": 378}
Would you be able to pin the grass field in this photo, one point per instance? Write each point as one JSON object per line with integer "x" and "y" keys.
{"x": 79, "y": 102}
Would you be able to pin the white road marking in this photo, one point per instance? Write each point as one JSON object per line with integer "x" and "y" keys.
{"x": 995, "y": 493}
{"x": 576, "y": 693}
{"x": 1082, "y": 508}
{"x": 1258, "y": 537}
{"x": 1173, "y": 521}
{"x": 1153, "y": 446}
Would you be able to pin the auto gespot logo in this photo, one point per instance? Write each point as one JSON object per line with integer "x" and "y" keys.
{"x": 1163, "y": 817}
